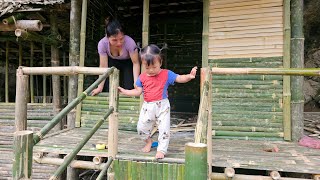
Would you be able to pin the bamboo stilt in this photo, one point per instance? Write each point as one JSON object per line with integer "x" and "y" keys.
{"x": 7, "y": 73}
{"x": 22, "y": 98}
{"x": 56, "y": 86}
{"x": 82, "y": 55}
{"x": 297, "y": 61}
{"x": 44, "y": 77}
{"x": 23, "y": 149}
{"x": 31, "y": 76}
{"x": 196, "y": 166}
{"x": 74, "y": 53}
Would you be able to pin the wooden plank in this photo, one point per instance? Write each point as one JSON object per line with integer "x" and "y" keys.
{"x": 245, "y": 52}
{"x": 237, "y": 36}
{"x": 251, "y": 27}
{"x": 238, "y": 3}
{"x": 245, "y": 22}
{"x": 248, "y": 6}
{"x": 246, "y": 11}
{"x": 246, "y": 16}
{"x": 240, "y": 42}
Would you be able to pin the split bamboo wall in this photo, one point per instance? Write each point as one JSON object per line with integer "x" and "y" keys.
{"x": 125, "y": 169}
{"x": 245, "y": 33}
{"x": 93, "y": 108}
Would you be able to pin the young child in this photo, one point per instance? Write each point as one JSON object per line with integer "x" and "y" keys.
{"x": 154, "y": 82}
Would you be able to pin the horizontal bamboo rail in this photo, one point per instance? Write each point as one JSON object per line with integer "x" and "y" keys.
{"x": 38, "y": 136}
{"x": 268, "y": 71}
{"x": 74, "y": 164}
{"x": 70, "y": 156}
{"x": 222, "y": 176}
{"x": 150, "y": 159}
{"x": 63, "y": 70}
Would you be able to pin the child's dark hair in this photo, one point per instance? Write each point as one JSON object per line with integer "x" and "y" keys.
{"x": 151, "y": 52}
{"x": 113, "y": 27}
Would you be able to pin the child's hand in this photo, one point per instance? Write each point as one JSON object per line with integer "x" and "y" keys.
{"x": 121, "y": 90}
{"x": 193, "y": 72}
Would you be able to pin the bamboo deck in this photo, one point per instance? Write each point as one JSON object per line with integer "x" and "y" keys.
{"x": 226, "y": 153}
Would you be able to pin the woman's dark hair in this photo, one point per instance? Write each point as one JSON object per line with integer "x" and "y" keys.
{"x": 113, "y": 27}
{"x": 151, "y": 52}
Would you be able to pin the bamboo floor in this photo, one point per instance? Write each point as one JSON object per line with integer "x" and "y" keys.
{"x": 226, "y": 153}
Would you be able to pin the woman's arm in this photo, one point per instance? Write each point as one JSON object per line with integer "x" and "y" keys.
{"x": 133, "y": 92}
{"x": 136, "y": 65}
{"x": 103, "y": 64}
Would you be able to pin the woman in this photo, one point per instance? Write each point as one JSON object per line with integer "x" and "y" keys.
{"x": 118, "y": 50}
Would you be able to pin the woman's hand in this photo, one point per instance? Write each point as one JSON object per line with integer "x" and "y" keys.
{"x": 96, "y": 91}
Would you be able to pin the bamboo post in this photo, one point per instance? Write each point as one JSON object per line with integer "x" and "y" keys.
{"x": 74, "y": 53}
{"x": 209, "y": 130}
{"x": 205, "y": 33}
{"x": 65, "y": 90}
{"x": 38, "y": 136}
{"x": 286, "y": 79}
{"x": 105, "y": 169}
{"x": 31, "y": 76}
{"x": 44, "y": 77}
{"x": 70, "y": 156}
{"x": 113, "y": 119}
{"x": 22, "y": 97}
{"x": 82, "y": 56}
{"x": 196, "y": 161}
{"x": 23, "y": 149}
{"x": 297, "y": 61}
{"x": 7, "y": 73}
{"x": 56, "y": 86}
{"x": 20, "y": 54}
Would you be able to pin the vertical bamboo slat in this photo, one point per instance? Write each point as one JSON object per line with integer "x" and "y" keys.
{"x": 23, "y": 149}
{"x": 82, "y": 54}
{"x": 297, "y": 61}
{"x": 286, "y": 79}
{"x": 7, "y": 73}
{"x": 196, "y": 161}
{"x": 22, "y": 97}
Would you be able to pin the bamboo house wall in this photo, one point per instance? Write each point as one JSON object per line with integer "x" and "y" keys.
{"x": 247, "y": 34}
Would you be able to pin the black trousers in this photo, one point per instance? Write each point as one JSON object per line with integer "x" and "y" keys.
{"x": 126, "y": 73}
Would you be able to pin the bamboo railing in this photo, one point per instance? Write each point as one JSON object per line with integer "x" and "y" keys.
{"x": 25, "y": 140}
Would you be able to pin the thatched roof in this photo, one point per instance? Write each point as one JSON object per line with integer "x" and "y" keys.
{"x": 9, "y": 6}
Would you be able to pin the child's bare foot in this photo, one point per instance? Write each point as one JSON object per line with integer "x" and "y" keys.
{"x": 159, "y": 155}
{"x": 147, "y": 147}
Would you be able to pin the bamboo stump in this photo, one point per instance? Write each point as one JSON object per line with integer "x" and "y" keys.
{"x": 196, "y": 166}
{"x": 23, "y": 148}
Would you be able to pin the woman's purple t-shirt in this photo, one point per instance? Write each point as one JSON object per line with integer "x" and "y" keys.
{"x": 129, "y": 46}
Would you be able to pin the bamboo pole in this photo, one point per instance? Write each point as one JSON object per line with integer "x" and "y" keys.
{"x": 23, "y": 149}
{"x": 149, "y": 159}
{"x": 205, "y": 33}
{"x": 74, "y": 53}
{"x": 82, "y": 56}
{"x": 297, "y": 61}
{"x": 22, "y": 97}
{"x": 44, "y": 77}
{"x": 30, "y": 25}
{"x": 78, "y": 164}
{"x": 31, "y": 76}
{"x": 286, "y": 79}
{"x": 12, "y": 19}
{"x": 105, "y": 168}
{"x": 64, "y": 70}
{"x": 56, "y": 83}
{"x": 69, "y": 107}
{"x": 7, "y": 73}
{"x": 209, "y": 131}
{"x": 70, "y": 156}
{"x": 31, "y": 36}
{"x": 65, "y": 91}
{"x": 113, "y": 119}
{"x": 196, "y": 166}
{"x": 268, "y": 71}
